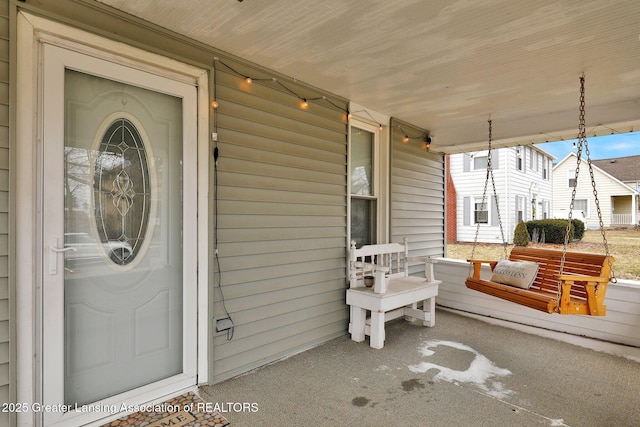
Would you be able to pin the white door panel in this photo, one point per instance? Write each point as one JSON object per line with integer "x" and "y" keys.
{"x": 119, "y": 201}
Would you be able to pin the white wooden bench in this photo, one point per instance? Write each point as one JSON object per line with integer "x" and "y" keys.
{"x": 394, "y": 294}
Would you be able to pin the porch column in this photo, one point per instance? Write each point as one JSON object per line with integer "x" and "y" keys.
{"x": 634, "y": 209}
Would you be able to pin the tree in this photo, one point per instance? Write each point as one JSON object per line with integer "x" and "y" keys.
{"x": 521, "y": 235}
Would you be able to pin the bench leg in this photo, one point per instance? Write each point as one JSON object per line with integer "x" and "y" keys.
{"x": 409, "y": 316}
{"x": 358, "y": 317}
{"x": 429, "y": 307}
{"x": 377, "y": 329}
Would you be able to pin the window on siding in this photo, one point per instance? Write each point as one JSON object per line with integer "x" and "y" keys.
{"x": 519, "y": 209}
{"x": 571, "y": 177}
{"x": 519, "y": 158}
{"x": 545, "y": 168}
{"x": 535, "y": 160}
{"x": 581, "y": 205}
{"x": 364, "y": 197}
{"x": 480, "y": 162}
{"x": 480, "y": 212}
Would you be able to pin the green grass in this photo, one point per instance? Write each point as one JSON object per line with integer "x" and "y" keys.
{"x": 624, "y": 246}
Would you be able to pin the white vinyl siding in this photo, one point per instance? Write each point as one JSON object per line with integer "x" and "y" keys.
{"x": 417, "y": 194}
{"x": 282, "y": 223}
{"x": 509, "y": 183}
{"x": 607, "y": 187}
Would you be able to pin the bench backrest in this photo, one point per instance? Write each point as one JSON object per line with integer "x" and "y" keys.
{"x": 577, "y": 263}
{"x": 394, "y": 256}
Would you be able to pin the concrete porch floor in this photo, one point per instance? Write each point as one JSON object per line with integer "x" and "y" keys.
{"x": 462, "y": 372}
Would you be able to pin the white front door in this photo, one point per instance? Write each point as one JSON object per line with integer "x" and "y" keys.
{"x": 119, "y": 235}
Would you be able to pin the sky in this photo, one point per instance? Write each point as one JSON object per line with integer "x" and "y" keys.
{"x": 600, "y": 147}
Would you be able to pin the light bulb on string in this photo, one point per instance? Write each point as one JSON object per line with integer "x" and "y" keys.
{"x": 405, "y": 139}
{"x": 304, "y": 104}
{"x": 214, "y": 104}
{"x": 248, "y": 80}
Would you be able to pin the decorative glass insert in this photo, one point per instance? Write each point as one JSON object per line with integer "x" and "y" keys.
{"x": 122, "y": 191}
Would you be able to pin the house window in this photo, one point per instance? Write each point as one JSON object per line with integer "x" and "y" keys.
{"x": 519, "y": 208}
{"x": 364, "y": 197}
{"x": 545, "y": 168}
{"x": 571, "y": 177}
{"x": 480, "y": 162}
{"x": 519, "y": 158}
{"x": 480, "y": 213}
{"x": 581, "y": 205}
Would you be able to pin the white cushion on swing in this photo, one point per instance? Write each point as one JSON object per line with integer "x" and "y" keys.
{"x": 515, "y": 273}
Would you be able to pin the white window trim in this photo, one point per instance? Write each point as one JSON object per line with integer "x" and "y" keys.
{"x": 473, "y": 163}
{"x": 521, "y": 207}
{"x": 520, "y": 160}
{"x": 571, "y": 174}
{"x": 380, "y": 177}
{"x": 586, "y": 211}
{"x": 487, "y": 202}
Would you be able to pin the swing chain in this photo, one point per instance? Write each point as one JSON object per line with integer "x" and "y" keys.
{"x": 582, "y": 142}
{"x": 484, "y": 198}
{"x": 612, "y": 278}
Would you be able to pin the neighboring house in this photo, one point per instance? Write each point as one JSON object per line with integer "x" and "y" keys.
{"x": 616, "y": 185}
{"x": 523, "y": 183}
{"x": 127, "y": 116}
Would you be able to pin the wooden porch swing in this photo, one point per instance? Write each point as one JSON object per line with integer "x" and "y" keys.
{"x": 551, "y": 281}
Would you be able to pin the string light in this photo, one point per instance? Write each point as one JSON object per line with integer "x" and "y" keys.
{"x": 304, "y": 101}
{"x": 424, "y": 138}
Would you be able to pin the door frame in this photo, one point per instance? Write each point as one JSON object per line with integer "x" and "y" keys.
{"x": 33, "y": 32}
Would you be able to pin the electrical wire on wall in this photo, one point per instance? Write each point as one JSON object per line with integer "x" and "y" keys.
{"x": 224, "y": 323}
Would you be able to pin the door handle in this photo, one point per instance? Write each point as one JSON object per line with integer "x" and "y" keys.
{"x": 53, "y": 256}
{"x": 58, "y": 250}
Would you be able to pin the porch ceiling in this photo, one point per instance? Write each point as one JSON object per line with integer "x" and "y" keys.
{"x": 443, "y": 65}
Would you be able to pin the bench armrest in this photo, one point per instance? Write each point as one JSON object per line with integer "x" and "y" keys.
{"x": 477, "y": 264}
{"x": 428, "y": 266}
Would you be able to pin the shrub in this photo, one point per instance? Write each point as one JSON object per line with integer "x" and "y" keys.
{"x": 521, "y": 234}
{"x": 553, "y": 229}
{"x": 578, "y": 229}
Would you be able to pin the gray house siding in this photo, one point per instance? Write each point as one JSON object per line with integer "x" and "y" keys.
{"x": 417, "y": 193}
{"x": 7, "y": 389}
{"x": 281, "y": 211}
{"x": 281, "y": 222}
{"x": 282, "y": 195}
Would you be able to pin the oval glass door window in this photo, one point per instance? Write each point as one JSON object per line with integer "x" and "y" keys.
{"x": 122, "y": 192}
